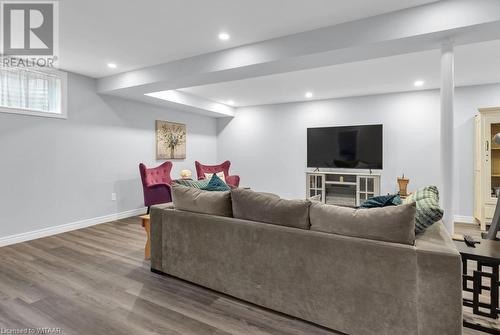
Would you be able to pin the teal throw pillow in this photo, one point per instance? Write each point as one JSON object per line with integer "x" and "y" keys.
{"x": 382, "y": 201}
{"x": 216, "y": 184}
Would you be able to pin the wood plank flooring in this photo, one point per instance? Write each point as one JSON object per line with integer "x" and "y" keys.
{"x": 95, "y": 281}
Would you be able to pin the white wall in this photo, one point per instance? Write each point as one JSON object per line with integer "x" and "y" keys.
{"x": 55, "y": 172}
{"x": 467, "y": 102}
{"x": 267, "y": 144}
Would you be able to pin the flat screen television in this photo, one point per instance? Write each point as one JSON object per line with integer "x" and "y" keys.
{"x": 351, "y": 147}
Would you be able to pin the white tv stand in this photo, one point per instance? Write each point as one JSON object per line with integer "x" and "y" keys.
{"x": 342, "y": 188}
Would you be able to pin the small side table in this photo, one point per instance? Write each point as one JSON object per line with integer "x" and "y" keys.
{"x": 146, "y": 223}
{"x": 485, "y": 254}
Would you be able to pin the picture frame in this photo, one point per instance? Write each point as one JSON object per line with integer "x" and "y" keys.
{"x": 170, "y": 140}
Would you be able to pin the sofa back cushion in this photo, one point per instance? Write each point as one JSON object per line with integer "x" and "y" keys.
{"x": 269, "y": 208}
{"x": 200, "y": 201}
{"x": 390, "y": 224}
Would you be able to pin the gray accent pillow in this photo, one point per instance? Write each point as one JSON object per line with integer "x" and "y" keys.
{"x": 200, "y": 201}
{"x": 269, "y": 208}
{"x": 390, "y": 224}
{"x": 428, "y": 209}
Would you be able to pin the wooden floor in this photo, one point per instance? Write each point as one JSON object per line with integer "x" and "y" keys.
{"x": 94, "y": 281}
{"x": 474, "y": 231}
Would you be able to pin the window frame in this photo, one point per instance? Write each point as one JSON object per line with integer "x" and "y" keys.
{"x": 64, "y": 100}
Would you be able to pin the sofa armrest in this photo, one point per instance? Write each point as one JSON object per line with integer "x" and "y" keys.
{"x": 156, "y": 216}
{"x": 439, "y": 279}
{"x": 168, "y": 205}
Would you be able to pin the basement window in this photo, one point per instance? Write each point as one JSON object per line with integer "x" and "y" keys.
{"x": 33, "y": 92}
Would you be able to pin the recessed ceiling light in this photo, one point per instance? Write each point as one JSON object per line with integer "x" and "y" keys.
{"x": 418, "y": 83}
{"x": 230, "y": 102}
{"x": 112, "y": 65}
{"x": 309, "y": 95}
{"x": 224, "y": 36}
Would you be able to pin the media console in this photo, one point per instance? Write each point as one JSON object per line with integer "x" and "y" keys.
{"x": 342, "y": 188}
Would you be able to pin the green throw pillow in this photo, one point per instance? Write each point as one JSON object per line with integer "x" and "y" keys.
{"x": 192, "y": 183}
{"x": 216, "y": 184}
{"x": 428, "y": 209}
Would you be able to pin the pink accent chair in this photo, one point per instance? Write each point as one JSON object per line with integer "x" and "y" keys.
{"x": 156, "y": 184}
{"x": 224, "y": 167}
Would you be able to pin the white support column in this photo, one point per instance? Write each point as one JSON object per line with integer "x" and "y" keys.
{"x": 447, "y": 125}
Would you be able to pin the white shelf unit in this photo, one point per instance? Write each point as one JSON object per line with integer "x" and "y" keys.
{"x": 342, "y": 188}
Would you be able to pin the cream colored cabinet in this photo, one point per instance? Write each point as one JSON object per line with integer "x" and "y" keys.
{"x": 486, "y": 165}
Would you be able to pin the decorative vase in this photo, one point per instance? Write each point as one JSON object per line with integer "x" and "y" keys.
{"x": 186, "y": 174}
{"x": 403, "y": 184}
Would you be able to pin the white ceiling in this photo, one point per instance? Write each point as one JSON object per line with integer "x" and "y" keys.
{"x": 135, "y": 34}
{"x": 474, "y": 64}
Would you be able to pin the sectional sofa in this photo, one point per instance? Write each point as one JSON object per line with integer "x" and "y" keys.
{"x": 352, "y": 271}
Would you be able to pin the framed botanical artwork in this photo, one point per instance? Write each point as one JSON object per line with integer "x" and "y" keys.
{"x": 170, "y": 140}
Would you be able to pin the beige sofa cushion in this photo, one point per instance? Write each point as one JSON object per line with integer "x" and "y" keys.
{"x": 269, "y": 208}
{"x": 207, "y": 202}
{"x": 390, "y": 224}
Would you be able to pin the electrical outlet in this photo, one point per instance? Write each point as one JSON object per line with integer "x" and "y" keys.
{"x": 113, "y": 196}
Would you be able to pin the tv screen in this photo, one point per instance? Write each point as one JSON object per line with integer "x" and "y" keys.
{"x": 352, "y": 147}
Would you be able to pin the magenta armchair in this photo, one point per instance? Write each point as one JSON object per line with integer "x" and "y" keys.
{"x": 156, "y": 184}
{"x": 224, "y": 167}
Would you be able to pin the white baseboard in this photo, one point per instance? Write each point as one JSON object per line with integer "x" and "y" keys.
{"x": 31, "y": 235}
{"x": 463, "y": 219}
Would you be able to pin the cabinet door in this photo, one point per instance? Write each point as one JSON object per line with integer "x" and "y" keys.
{"x": 478, "y": 167}
{"x": 362, "y": 183}
{"x": 477, "y": 195}
{"x": 315, "y": 185}
{"x": 491, "y": 159}
{"x": 367, "y": 187}
{"x": 478, "y": 143}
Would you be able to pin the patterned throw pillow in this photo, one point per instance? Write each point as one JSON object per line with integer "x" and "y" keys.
{"x": 221, "y": 175}
{"x": 216, "y": 184}
{"x": 428, "y": 209}
{"x": 192, "y": 183}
